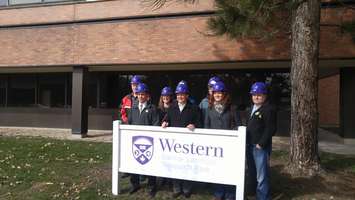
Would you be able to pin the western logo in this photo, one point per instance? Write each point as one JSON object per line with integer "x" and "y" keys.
{"x": 142, "y": 148}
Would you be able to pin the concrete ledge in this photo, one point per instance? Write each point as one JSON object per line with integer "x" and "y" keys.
{"x": 56, "y": 133}
{"x": 349, "y": 141}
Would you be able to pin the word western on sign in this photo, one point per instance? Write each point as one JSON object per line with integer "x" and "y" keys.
{"x": 203, "y": 155}
{"x": 200, "y": 150}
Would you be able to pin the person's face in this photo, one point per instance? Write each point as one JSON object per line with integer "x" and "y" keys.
{"x": 166, "y": 99}
{"x": 134, "y": 86}
{"x": 182, "y": 98}
{"x": 218, "y": 96}
{"x": 258, "y": 99}
{"x": 142, "y": 97}
{"x": 209, "y": 90}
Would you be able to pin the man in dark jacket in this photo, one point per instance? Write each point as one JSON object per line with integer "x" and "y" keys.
{"x": 182, "y": 114}
{"x": 143, "y": 114}
{"x": 261, "y": 126}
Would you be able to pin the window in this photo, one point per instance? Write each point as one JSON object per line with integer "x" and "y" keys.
{"x": 22, "y": 90}
{"x": 103, "y": 90}
{"x": 19, "y": 2}
{"x": 14, "y": 2}
{"x": 3, "y": 2}
{"x": 2, "y": 91}
{"x": 52, "y": 90}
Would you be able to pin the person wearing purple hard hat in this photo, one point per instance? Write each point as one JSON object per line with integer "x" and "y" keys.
{"x": 129, "y": 100}
{"x": 261, "y": 126}
{"x": 191, "y": 99}
{"x": 204, "y": 102}
{"x": 221, "y": 114}
{"x": 145, "y": 113}
{"x": 182, "y": 114}
{"x": 166, "y": 99}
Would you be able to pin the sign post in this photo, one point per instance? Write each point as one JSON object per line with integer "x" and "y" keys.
{"x": 203, "y": 155}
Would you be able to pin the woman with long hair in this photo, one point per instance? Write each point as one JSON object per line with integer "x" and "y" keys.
{"x": 221, "y": 114}
{"x": 166, "y": 99}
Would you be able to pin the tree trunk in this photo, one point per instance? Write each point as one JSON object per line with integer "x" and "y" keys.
{"x": 304, "y": 158}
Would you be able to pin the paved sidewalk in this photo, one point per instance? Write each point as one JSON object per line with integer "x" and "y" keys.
{"x": 328, "y": 142}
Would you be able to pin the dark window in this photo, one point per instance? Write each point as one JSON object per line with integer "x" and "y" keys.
{"x": 104, "y": 89}
{"x": 52, "y": 90}
{"x": 22, "y": 90}
{"x": 2, "y": 91}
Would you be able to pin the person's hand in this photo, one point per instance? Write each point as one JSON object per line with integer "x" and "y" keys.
{"x": 164, "y": 124}
{"x": 258, "y": 146}
{"x": 191, "y": 127}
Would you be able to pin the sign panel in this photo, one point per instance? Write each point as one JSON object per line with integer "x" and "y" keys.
{"x": 203, "y": 155}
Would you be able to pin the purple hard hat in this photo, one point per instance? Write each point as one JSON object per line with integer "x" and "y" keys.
{"x": 213, "y": 81}
{"x": 166, "y": 91}
{"x": 219, "y": 87}
{"x": 182, "y": 82}
{"x": 182, "y": 89}
{"x": 135, "y": 79}
{"x": 258, "y": 88}
{"x": 141, "y": 87}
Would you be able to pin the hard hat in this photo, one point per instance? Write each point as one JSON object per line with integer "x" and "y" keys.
{"x": 135, "y": 79}
{"x": 182, "y": 89}
{"x": 141, "y": 88}
{"x": 213, "y": 81}
{"x": 258, "y": 88}
{"x": 166, "y": 91}
{"x": 219, "y": 87}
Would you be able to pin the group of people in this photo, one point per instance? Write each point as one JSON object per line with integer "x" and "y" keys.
{"x": 215, "y": 112}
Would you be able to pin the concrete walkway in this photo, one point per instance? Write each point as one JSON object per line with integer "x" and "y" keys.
{"x": 328, "y": 142}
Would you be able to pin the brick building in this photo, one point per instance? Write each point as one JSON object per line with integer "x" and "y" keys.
{"x": 63, "y": 62}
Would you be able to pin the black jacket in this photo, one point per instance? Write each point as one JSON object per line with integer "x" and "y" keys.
{"x": 228, "y": 119}
{"x": 162, "y": 113}
{"x": 189, "y": 115}
{"x": 149, "y": 116}
{"x": 261, "y": 126}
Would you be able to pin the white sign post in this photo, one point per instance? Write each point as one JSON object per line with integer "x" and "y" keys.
{"x": 203, "y": 155}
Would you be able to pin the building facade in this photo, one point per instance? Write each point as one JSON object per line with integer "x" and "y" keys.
{"x": 67, "y": 64}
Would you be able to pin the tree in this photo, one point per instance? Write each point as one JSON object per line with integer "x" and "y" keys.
{"x": 304, "y": 158}
{"x": 259, "y": 18}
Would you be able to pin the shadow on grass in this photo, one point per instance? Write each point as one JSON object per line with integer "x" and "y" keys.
{"x": 330, "y": 184}
{"x": 338, "y": 162}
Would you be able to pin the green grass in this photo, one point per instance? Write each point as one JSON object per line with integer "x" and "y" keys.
{"x": 34, "y": 168}
{"x": 38, "y": 168}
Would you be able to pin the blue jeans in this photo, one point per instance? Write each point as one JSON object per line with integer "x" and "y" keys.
{"x": 226, "y": 191}
{"x": 259, "y": 170}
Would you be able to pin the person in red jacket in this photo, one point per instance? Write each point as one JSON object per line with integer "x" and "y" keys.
{"x": 129, "y": 100}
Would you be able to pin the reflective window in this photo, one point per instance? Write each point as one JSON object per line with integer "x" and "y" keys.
{"x": 3, "y": 2}
{"x": 14, "y": 2}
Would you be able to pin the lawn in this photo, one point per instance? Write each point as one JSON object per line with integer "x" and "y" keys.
{"x": 37, "y": 168}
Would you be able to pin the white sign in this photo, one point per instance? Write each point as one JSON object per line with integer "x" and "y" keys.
{"x": 203, "y": 155}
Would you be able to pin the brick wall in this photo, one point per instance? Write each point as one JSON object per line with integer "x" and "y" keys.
{"x": 94, "y": 10}
{"x": 178, "y": 39}
{"x": 328, "y": 100}
{"x": 170, "y": 40}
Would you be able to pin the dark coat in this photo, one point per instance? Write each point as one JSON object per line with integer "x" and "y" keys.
{"x": 189, "y": 115}
{"x": 228, "y": 119}
{"x": 149, "y": 116}
{"x": 261, "y": 126}
{"x": 162, "y": 113}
